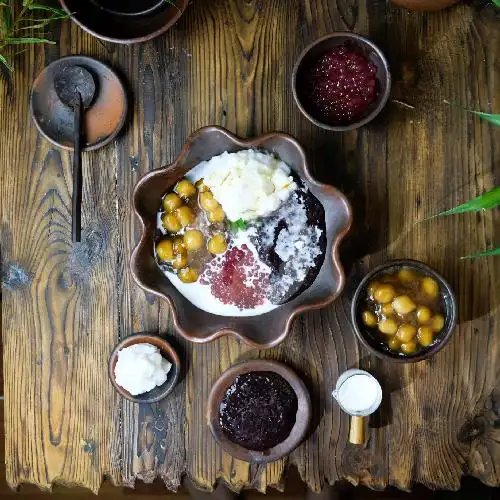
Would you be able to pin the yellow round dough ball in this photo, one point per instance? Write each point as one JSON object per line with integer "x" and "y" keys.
{"x": 383, "y": 293}
{"x": 217, "y": 244}
{"x": 423, "y": 314}
{"x": 180, "y": 261}
{"x": 394, "y": 344}
{"x": 369, "y": 319}
{"x": 387, "y": 310}
{"x": 430, "y": 287}
{"x": 165, "y": 250}
{"x": 207, "y": 201}
{"x": 437, "y": 322}
{"x": 188, "y": 275}
{"x": 403, "y": 304}
{"x": 185, "y": 215}
{"x": 216, "y": 215}
{"x": 406, "y": 332}
{"x": 388, "y": 326}
{"x": 171, "y": 223}
{"x": 171, "y": 202}
{"x": 425, "y": 336}
{"x": 193, "y": 240}
{"x": 409, "y": 347}
{"x": 407, "y": 275}
{"x": 185, "y": 189}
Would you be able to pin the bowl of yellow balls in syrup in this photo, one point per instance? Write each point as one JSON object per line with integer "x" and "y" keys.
{"x": 404, "y": 311}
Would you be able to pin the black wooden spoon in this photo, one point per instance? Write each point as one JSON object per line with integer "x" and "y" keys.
{"x": 75, "y": 87}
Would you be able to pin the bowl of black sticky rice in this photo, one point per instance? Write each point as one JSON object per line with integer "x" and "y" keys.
{"x": 259, "y": 411}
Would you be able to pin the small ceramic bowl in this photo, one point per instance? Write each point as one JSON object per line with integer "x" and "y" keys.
{"x": 265, "y": 330}
{"x": 160, "y": 392}
{"x": 125, "y": 21}
{"x": 302, "y": 420}
{"x": 311, "y": 53}
{"x": 370, "y": 341}
{"x": 102, "y": 121}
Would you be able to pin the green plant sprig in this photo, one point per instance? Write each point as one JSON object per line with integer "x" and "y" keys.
{"x": 238, "y": 225}
{"x": 488, "y": 200}
{"x": 496, "y": 2}
{"x": 487, "y": 253}
{"x": 29, "y": 16}
{"x": 494, "y": 119}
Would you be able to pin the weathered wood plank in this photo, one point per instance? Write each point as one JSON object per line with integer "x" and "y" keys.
{"x": 229, "y": 63}
{"x": 59, "y": 305}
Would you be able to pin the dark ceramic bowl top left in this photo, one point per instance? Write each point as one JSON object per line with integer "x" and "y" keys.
{"x": 302, "y": 419}
{"x": 128, "y": 7}
{"x": 369, "y": 339}
{"x": 265, "y": 330}
{"x": 167, "y": 351}
{"x": 121, "y": 21}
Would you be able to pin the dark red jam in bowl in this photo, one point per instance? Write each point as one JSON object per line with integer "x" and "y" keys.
{"x": 340, "y": 86}
{"x": 258, "y": 411}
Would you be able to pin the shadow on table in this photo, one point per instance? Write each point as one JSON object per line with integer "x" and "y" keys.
{"x": 336, "y": 161}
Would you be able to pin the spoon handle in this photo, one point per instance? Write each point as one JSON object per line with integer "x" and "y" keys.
{"x": 76, "y": 224}
{"x": 357, "y": 430}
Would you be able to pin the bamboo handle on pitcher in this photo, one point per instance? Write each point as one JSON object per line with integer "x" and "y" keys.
{"x": 357, "y": 430}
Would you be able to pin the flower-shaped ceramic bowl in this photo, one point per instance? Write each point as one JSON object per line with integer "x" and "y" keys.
{"x": 265, "y": 330}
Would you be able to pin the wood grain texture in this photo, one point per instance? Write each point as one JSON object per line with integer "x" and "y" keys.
{"x": 59, "y": 308}
{"x": 229, "y": 63}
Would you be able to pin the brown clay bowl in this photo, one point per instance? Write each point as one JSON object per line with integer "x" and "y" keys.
{"x": 102, "y": 121}
{"x": 267, "y": 329}
{"x": 448, "y": 303}
{"x": 311, "y": 53}
{"x": 160, "y": 392}
{"x": 125, "y": 21}
{"x": 302, "y": 421}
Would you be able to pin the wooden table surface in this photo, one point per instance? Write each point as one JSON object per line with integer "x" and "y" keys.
{"x": 229, "y": 62}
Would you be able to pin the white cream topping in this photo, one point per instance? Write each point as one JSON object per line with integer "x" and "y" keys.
{"x": 248, "y": 184}
{"x": 140, "y": 368}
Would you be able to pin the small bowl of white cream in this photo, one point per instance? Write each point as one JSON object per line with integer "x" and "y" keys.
{"x": 144, "y": 368}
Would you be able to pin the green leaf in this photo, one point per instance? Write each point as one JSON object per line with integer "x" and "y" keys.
{"x": 495, "y": 119}
{"x": 487, "y": 253}
{"x": 4, "y": 61}
{"x": 491, "y": 199}
{"x": 41, "y": 24}
{"x": 496, "y": 2}
{"x": 43, "y": 19}
{"x": 21, "y": 41}
{"x": 54, "y": 10}
{"x": 238, "y": 225}
{"x": 6, "y": 19}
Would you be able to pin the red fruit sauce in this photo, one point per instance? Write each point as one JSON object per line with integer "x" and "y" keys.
{"x": 237, "y": 279}
{"x": 340, "y": 86}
